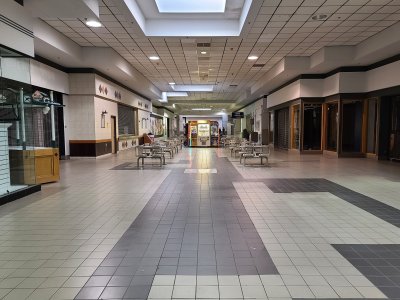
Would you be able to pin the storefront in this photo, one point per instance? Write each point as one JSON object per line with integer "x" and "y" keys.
{"x": 29, "y": 137}
{"x": 203, "y": 133}
{"x": 389, "y": 128}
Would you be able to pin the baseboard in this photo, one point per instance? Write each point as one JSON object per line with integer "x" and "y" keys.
{"x": 20, "y": 194}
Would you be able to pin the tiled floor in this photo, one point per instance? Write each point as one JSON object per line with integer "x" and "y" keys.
{"x": 205, "y": 227}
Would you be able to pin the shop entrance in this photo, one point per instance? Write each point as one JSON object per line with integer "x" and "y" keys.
{"x": 296, "y": 127}
{"x": 114, "y": 147}
{"x": 312, "y": 126}
{"x": 395, "y": 130}
{"x": 352, "y": 115}
{"x": 331, "y": 126}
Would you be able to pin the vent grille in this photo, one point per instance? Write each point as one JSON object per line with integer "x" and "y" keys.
{"x": 258, "y": 65}
{"x": 203, "y": 45}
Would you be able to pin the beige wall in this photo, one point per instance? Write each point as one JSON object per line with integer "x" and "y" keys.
{"x": 81, "y": 118}
{"x": 101, "y": 105}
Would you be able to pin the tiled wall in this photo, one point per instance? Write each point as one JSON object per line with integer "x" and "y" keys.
{"x": 81, "y": 118}
{"x": 4, "y": 159}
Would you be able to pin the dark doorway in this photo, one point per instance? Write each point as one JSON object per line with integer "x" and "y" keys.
{"x": 168, "y": 128}
{"x": 331, "y": 126}
{"x": 395, "y": 130}
{"x": 312, "y": 126}
{"x": 352, "y": 126}
{"x": 114, "y": 142}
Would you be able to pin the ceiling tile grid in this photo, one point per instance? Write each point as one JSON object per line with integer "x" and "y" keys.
{"x": 279, "y": 28}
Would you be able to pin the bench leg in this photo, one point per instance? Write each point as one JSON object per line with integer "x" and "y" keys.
{"x": 138, "y": 161}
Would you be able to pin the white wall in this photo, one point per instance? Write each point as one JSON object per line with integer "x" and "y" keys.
{"x": 81, "y": 117}
{"x": 383, "y": 77}
{"x": 290, "y": 92}
{"x": 345, "y": 82}
{"x": 82, "y": 84}
{"x": 16, "y": 68}
{"x": 144, "y": 122}
{"x": 11, "y": 37}
{"x": 127, "y": 97}
{"x": 47, "y": 77}
{"x": 101, "y": 105}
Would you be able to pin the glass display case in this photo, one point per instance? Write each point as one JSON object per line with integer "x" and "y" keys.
{"x": 29, "y": 151}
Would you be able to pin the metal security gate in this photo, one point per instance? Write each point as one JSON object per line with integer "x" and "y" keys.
{"x": 282, "y": 129}
{"x": 395, "y": 131}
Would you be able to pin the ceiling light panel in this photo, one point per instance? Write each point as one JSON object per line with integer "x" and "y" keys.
{"x": 191, "y": 6}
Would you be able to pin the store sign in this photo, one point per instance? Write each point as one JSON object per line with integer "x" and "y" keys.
{"x": 238, "y": 115}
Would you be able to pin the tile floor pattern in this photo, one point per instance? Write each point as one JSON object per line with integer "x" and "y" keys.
{"x": 52, "y": 243}
{"x": 192, "y": 230}
{"x": 379, "y": 263}
{"x": 375, "y": 207}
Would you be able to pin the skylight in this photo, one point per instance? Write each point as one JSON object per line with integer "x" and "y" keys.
{"x": 191, "y": 6}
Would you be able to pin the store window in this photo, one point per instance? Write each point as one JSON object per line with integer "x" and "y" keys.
{"x": 352, "y": 118}
{"x": 29, "y": 152}
{"x": 282, "y": 129}
{"x": 331, "y": 126}
{"x": 296, "y": 127}
{"x": 312, "y": 123}
{"x": 372, "y": 125}
{"x": 127, "y": 120}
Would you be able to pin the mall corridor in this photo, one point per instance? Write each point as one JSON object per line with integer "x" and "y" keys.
{"x": 199, "y": 149}
{"x": 206, "y": 227}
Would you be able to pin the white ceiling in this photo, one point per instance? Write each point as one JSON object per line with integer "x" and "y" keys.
{"x": 274, "y": 29}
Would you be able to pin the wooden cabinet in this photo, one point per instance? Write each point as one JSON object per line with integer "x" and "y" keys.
{"x": 34, "y": 166}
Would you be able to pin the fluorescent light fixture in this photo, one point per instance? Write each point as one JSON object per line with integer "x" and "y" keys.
{"x": 252, "y": 57}
{"x": 171, "y": 83}
{"x": 193, "y": 87}
{"x": 203, "y": 52}
{"x": 191, "y": 6}
{"x": 154, "y": 58}
{"x": 93, "y": 23}
{"x": 201, "y": 109}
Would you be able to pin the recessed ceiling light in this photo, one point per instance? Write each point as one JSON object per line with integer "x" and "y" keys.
{"x": 203, "y": 52}
{"x": 93, "y": 23}
{"x": 319, "y": 17}
{"x": 154, "y": 58}
{"x": 172, "y": 83}
{"x": 252, "y": 57}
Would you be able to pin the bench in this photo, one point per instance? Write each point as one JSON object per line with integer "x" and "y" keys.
{"x": 264, "y": 154}
{"x": 150, "y": 153}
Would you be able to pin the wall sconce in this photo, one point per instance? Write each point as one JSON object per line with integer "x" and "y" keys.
{"x": 103, "y": 119}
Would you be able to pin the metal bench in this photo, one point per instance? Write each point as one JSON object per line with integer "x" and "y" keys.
{"x": 264, "y": 154}
{"x": 150, "y": 152}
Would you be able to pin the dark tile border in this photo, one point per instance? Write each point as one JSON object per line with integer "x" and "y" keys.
{"x": 20, "y": 194}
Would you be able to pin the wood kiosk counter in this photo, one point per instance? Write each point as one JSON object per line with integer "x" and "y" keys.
{"x": 34, "y": 165}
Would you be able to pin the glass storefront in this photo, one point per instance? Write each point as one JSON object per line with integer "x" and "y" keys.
{"x": 28, "y": 122}
{"x": 332, "y": 111}
{"x": 312, "y": 126}
{"x": 352, "y": 122}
